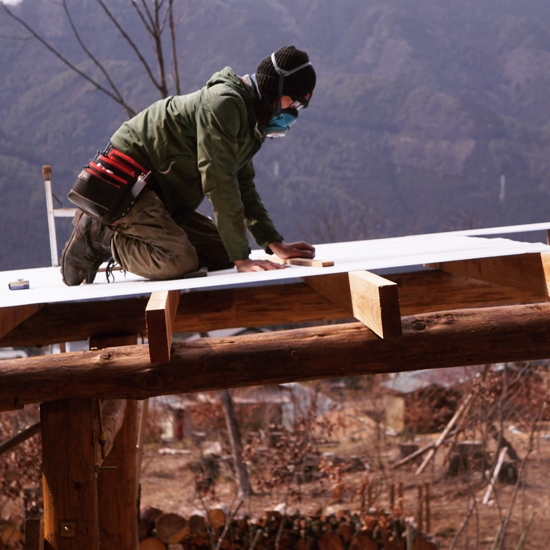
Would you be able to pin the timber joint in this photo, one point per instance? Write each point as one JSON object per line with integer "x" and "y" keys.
{"x": 149, "y": 380}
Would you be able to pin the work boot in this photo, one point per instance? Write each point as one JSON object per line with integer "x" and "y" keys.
{"x": 88, "y": 247}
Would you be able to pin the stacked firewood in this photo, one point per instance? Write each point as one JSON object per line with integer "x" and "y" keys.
{"x": 343, "y": 530}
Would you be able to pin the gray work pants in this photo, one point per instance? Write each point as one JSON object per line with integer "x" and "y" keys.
{"x": 148, "y": 243}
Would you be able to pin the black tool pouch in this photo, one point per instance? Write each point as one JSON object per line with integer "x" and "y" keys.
{"x": 107, "y": 188}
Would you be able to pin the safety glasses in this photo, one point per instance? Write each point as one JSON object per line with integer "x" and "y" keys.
{"x": 297, "y": 104}
{"x": 301, "y": 103}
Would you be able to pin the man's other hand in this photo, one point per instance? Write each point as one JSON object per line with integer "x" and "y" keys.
{"x": 299, "y": 249}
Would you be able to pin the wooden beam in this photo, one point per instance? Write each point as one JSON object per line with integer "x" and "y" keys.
{"x": 11, "y": 317}
{"x": 269, "y": 305}
{"x": 370, "y": 298}
{"x": 197, "y": 312}
{"x": 432, "y": 290}
{"x": 68, "y": 474}
{"x": 433, "y": 340}
{"x": 70, "y": 321}
{"x": 160, "y": 315}
{"x": 530, "y": 272}
{"x": 112, "y": 340}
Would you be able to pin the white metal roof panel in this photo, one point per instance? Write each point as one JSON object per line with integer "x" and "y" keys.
{"x": 46, "y": 285}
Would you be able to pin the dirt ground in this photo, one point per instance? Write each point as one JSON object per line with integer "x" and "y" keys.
{"x": 167, "y": 483}
{"x": 356, "y": 433}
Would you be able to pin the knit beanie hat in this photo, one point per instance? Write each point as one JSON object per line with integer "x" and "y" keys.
{"x": 297, "y": 85}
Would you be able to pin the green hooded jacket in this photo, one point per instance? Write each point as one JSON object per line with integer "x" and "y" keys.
{"x": 203, "y": 144}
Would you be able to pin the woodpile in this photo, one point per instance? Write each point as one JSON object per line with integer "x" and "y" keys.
{"x": 342, "y": 530}
{"x": 429, "y": 409}
{"x": 466, "y": 456}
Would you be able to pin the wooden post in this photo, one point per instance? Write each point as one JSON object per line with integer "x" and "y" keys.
{"x": 370, "y": 298}
{"x": 428, "y": 512}
{"x": 117, "y": 488}
{"x": 68, "y": 475}
{"x": 47, "y": 177}
{"x": 420, "y": 505}
{"x": 118, "y": 483}
{"x": 160, "y": 315}
{"x": 34, "y": 534}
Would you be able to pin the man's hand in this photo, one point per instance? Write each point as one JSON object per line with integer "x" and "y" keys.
{"x": 298, "y": 249}
{"x": 256, "y": 265}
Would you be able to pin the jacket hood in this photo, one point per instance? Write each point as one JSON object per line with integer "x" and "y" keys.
{"x": 227, "y": 76}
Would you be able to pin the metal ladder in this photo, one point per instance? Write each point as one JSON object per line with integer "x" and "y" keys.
{"x": 53, "y": 213}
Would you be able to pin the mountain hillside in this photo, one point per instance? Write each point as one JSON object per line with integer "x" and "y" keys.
{"x": 427, "y": 116}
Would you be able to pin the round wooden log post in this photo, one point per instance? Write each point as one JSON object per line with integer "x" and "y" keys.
{"x": 68, "y": 475}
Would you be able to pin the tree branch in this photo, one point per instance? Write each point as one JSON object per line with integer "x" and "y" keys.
{"x": 174, "y": 50}
{"x": 63, "y": 59}
{"x": 93, "y": 58}
{"x": 158, "y": 49}
{"x": 149, "y": 25}
{"x": 131, "y": 44}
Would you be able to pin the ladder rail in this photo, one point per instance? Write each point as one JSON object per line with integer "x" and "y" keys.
{"x": 53, "y": 213}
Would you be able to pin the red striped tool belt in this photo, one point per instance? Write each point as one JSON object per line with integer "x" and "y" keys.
{"x": 108, "y": 186}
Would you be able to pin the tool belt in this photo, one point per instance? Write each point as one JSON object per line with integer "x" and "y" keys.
{"x": 108, "y": 186}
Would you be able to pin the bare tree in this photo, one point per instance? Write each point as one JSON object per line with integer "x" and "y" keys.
{"x": 241, "y": 470}
{"x": 244, "y": 489}
{"x": 159, "y": 19}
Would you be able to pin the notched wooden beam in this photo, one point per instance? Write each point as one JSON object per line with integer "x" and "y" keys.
{"x": 11, "y": 317}
{"x": 160, "y": 315}
{"x": 370, "y": 298}
{"x": 10, "y": 403}
{"x": 529, "y": 272}
{"x": 419, "y": 292}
